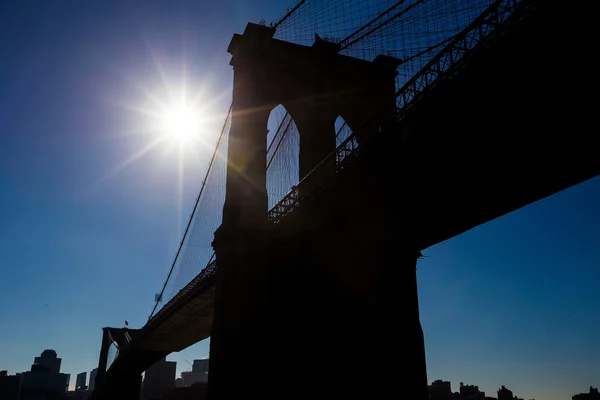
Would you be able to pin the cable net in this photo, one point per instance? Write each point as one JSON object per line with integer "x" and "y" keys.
{"x": 411, "y": 30}
{"x": 113, "y": 351}
{"x": 282, "y": 173}
{"x": 196, "y": 249}
{"x": 282, "y": 155}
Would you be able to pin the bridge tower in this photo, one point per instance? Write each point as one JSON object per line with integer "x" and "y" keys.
{"x": 128, "y": 381}
{"x": 326, "y": 302}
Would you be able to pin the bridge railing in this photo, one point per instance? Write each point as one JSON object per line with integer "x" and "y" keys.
{"x": 207, "y": 273}
{"x": 477, "y": 34}
{"x": 282, "y": 208}
{"x": 293, "y": 199}
{"x": 443, "y": 65}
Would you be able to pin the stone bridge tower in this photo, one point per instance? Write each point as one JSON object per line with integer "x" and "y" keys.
{"x": 297, "y": 315}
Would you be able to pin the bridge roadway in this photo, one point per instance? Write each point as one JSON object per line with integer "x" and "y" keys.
{"x": 509, "y": 128}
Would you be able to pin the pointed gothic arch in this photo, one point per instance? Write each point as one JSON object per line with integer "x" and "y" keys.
{"x": 315, "y": 84}
{"x": 283, "y": 151}
{"x": 342, "y": 130}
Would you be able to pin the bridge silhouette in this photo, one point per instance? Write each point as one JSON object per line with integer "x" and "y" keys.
{"x": 476, "y": 122}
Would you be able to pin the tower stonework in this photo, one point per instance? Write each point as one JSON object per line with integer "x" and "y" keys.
{"x": 325, "y": 303}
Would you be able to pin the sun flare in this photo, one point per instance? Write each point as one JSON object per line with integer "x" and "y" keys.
{"x": 181, "y": 123}
{"x": 177, "y": 118}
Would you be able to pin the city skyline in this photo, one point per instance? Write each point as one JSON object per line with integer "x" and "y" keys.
{"x": 91, "y": 222}
{"x": 83, "y": 379}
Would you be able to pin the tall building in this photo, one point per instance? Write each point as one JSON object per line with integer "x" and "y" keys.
{"x": 199, "y": 373}
{"x": 158, "y": 379}
{"x": 592, "y": 395}
{"x": 9, "y": 386}
{"x": 44, "y": 381}
{"x": 505, "y": 394}
{"x": 92, "y": 383}
{"x": 80, "y": 381}
{"x": 471, "y": 392}
{"x": 49, "y": 360}
{"x": 200, "y": 366}
{"x": 440, "y": 390}
{"x": 191, "y": 377}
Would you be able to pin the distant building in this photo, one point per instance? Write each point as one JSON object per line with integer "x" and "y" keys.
{"x": 9, "y": 386}
{"x": 592, "y": 395}
{"x": 179, "y": 382}
{"x": 49, "y": 360}
{"x": 471, "y": 392}
{"x": 158, "y": 379}
{"x": 198, "y": 374}
{"x": 440, "y": 390}
{"x": 80, "y": 385}
{"x": 44, "y": 381}
{"x": 200, "y": 366}
{"x": 505, "y": 394}
{"x": 191, "y": 377}
{"x": 92, "y": 383}
{"x": 41, "y": 384}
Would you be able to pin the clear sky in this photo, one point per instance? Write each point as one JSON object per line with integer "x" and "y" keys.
{"x": 91, "y": 212}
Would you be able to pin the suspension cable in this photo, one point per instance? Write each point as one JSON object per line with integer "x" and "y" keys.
{"x": 365, "y": 26}
{"x": 281, "y": 139}
{"x": 289, "y": 14}
{"x": 212, "y": 159}
{"x": 416, "y": 3}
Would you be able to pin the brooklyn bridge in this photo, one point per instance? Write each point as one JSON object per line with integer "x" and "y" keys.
{"x": 402, "y": 124}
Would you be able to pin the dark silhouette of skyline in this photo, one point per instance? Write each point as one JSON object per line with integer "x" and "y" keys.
{"x": 301, "y": 269}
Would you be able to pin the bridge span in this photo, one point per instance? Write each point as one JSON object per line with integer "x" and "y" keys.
{"x": 333, "y": 264}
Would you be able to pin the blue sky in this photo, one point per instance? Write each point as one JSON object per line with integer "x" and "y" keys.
{"x": 87, "y": 237}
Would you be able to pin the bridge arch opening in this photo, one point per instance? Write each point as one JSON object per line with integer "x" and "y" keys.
{"x": 283, "y": 150}
{"x": 113, "y": 352}
{"x": 342, "y": 130}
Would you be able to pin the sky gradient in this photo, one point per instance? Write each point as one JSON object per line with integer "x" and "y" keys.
{"x": 90, "y": 223}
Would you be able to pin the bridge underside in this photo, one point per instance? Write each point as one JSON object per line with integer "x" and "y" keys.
{"x": 514, "y": 128}
{"x": 510, "y": 129}
{"x": 190, "y": 324}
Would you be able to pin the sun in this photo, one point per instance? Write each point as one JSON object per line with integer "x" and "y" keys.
{"x": 178, "y": 118}
{"x": 181, "y": 122}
